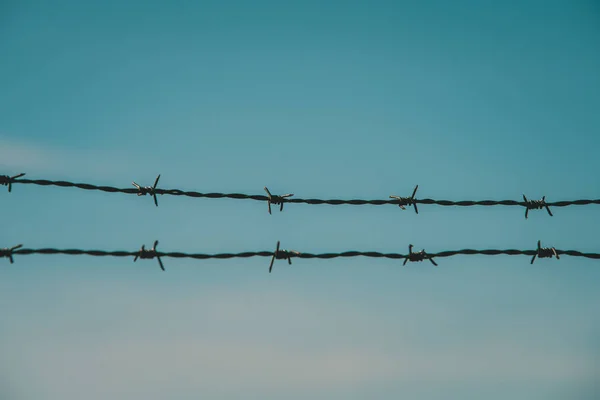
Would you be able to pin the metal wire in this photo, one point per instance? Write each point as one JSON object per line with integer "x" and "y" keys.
{"x": 284, "y": 254}
{"x": 396, "y": 200}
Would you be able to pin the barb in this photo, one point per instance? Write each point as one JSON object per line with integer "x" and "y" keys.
{"x": 418, "y": 256}
{"x": 544, "y": 252}
{"x": 6, "y": 180}
{"x": 151, "y": 190}
{"x": 8, "y": 252}
{"x": 272, "y": 199}
{"x": 149, "y": 254}
{"x": 536, "y": 205}
{"x": 282, "y": 255}
{"x": 334, "y": 202}
{"x": 287, "y": 254}
{"x": 407, "y": 201}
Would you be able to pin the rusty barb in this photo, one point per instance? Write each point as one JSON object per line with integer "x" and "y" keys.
{"x": 536, "y": 205}
{"x": 151, "y": 190}
{"x": 149, "y": 254}
{"x": 280, "y": 254}
{"x": 545, "y": 252}
{"x": 8, "y": 253}
{"x": 6, "y": 180}
{"x": 407, "y": 201}
{"x": 273, "y": 199}
{"x": 418, "y": 256}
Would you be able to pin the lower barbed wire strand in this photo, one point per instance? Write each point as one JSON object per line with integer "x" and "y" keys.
{"x": 469, "y": 252}
{"x": 575, "y": 253}
{"x": 217, "y": 256}
{"x": 573, "y": 203}
{"x": 346, "y": 254}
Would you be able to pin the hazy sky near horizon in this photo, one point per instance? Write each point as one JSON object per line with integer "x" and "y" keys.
{"x": 352, "y": 99}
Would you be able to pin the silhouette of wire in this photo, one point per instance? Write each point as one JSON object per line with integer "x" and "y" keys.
{"x": 531, "y": 204}
{"x": 346, "y": 254}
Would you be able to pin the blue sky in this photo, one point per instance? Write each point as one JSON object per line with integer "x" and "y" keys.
{"x": 470, "y": 100}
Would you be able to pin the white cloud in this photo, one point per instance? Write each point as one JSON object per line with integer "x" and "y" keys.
{"x": 18, "y": 155}
{"x": 249, "y": 341}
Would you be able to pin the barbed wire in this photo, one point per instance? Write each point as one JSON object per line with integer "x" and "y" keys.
{"x": 402, "y": 202}
{"x": 280, "y": 254}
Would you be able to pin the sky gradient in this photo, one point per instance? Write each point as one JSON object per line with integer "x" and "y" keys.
{"x": 467, "y": 99}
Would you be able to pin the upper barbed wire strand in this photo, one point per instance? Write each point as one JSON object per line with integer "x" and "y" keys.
{"x": 334, "y": 202}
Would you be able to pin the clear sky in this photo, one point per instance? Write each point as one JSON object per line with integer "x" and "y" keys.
{"x": 339, "y": 99}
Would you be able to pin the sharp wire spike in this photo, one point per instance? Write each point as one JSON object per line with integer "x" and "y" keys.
{"x": 281, "y": 254}
{"x": 544, "y": 252}
{"x": 410, "y": 247}
{"x": 155, "y": 199}
{"x": 407, "y": 201}
{"x": 275, "y": 199}
{"x": 414, "y": 202}
{"x": 418, "y": 256}
{"x": 536, "y": 205}
{"x": 151, "y": 190}
{"x": 149, "y": 254}
{"x": 269, "y": 197}
{"x": 9, "y": 180}
{"x": 274, "y": 255}
{"x": 8, "y": 252}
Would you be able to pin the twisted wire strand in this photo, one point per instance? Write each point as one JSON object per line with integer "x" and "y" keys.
{"x": 346, "y": 254}
{"x": 333, "y": 202}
